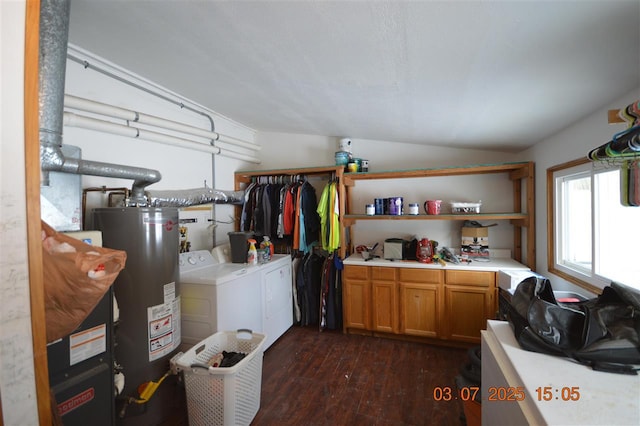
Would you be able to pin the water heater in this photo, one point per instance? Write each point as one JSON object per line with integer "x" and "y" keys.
{"x": 147, "y": 334}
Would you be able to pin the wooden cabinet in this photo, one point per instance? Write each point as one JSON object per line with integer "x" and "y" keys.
{"x": 384, "y": 300}
{"x": 469, "y": 303}
{"x": 420, "y": 301}
{"x": 357, "y": 297}
{"x": 521, "y": 216}
{"x": 451, "y": 305}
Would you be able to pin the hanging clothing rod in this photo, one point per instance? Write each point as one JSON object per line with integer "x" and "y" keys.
{"x": 614, "y": 116}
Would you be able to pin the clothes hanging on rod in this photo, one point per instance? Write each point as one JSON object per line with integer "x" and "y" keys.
{"x": 329, "y": 212}
{"x": 630, "y": 183}
{"x": 623, "y": 150}
{"x": 318, "y": 290}
{"x": 308, "y": 287}
{"x": 295, "y": 264}
{"x": 331, "y": 294}
{"x": 623, "y": 145}
{"x": 283, "y": 208}
{"x": 286, "y": 209}
{"x": 631, "y": 114}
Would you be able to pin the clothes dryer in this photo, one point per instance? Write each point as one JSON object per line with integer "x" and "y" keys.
{"x": 230, "y": 296}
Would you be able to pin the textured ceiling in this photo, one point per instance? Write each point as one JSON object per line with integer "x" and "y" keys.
{"x": 485, "y": 74}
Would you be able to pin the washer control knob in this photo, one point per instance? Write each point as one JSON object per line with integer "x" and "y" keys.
{"x": 191, "y": 260}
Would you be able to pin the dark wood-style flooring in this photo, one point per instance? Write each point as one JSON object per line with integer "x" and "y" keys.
{"x": 329, "y": 378}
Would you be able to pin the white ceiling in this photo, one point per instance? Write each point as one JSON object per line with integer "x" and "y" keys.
{"x": 486, "y": 74}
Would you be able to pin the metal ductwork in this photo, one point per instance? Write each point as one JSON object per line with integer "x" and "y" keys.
{"x": 192, "y": 197}
{"x": 54, "y": 36}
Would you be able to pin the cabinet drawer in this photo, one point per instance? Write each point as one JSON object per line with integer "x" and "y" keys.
{"x": 357, "y": 272}
{"x": 383, "y": 274}
{"x": 419, "y": 275}
{"x": 475, "y": 278}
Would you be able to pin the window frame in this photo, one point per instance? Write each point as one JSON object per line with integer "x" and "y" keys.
{"x": 552, "y": 266}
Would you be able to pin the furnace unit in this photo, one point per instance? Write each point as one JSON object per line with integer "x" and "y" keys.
{"x": 81, "y": 364}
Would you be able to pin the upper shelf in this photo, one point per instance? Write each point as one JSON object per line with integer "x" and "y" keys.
{"x": 245, "y": 176}
{"x": 517, "y": 170}
{"x": 349, "y": 219}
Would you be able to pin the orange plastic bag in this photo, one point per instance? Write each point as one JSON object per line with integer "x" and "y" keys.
{"x": 76, "y": 277}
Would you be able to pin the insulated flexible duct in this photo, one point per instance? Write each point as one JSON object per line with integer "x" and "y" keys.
{"x": 191, "y": 197}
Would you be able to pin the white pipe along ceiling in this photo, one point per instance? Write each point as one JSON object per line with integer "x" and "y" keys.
{"x": 230, "y": 144}
{"x": 75, "y": 120}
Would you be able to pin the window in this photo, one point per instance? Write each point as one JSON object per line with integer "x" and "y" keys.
{"x": 592, "y": 238}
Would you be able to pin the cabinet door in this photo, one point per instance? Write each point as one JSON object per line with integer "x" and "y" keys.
{"x": 420, "y": 309}
{"x": 357, "y": 297}
{"x": 357, "y": 302}
{"x": 384, "y": 300}
{"x": 467, "y": 311}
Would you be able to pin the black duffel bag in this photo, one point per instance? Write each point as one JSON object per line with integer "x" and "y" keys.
{"x": 603, "y": 332}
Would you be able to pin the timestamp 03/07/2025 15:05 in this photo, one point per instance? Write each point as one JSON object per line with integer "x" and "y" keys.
{"x": 500, "y": 393}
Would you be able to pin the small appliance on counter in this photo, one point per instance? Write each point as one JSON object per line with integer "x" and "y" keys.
{"x": 394, "y": 248}
{"x": 400, "y": 249}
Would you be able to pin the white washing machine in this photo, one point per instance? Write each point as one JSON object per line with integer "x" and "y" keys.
{"x": 229, "y": 296}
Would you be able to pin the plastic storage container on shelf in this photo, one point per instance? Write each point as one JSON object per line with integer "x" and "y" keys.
{"x": 223, "y": 395}
{"x": 465, "y": 208}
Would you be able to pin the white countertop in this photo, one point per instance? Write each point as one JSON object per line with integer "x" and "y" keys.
{"x": 604, "y": 398}
{"x": 495, "y": 264}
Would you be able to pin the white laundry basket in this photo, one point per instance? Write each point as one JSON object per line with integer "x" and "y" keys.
{"x": 223, "y": 395}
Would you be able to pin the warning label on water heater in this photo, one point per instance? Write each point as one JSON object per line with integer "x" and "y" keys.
{"x": 164, "y": 325}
